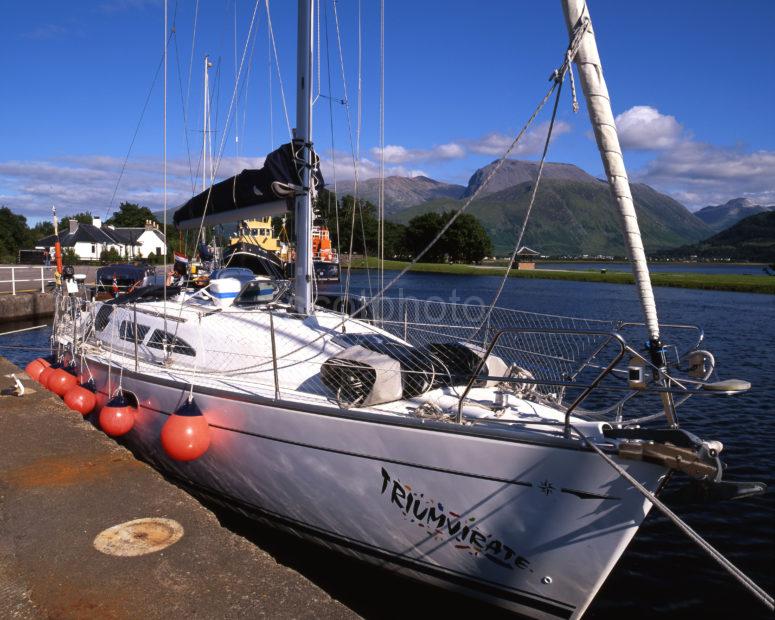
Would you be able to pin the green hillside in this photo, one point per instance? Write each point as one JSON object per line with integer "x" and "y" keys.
{"x": 751, "y": 239}
{"x": 574, "y": 218}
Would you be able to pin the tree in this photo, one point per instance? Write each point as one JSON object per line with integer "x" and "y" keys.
{"x": 37, "y": 232}
{"x": 69, "y": 257}
{"x": 83, "y": 218}
{"x": 420, "y": 232}
{"x": 110, "y": 255}
{"x": 366, "y": 229}
{"x": 13, "y": 234}
{"x": 464, "y": 241}
{"x": 131, "y": 215}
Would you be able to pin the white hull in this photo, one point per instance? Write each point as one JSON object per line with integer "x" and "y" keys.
{"x": 534, "y": 526}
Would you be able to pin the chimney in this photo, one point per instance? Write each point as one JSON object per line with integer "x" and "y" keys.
{"x": 149, "y": 225}
{"x": 96, "y": 221}
{"x": 73, "y": 225}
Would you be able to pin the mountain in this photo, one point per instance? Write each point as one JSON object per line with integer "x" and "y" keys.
{"x": 720, "y": 217}
{"x": 401, "y": 192}
{"x": 750, "y": 239}
{"x": 515, "y": 171}
{"x": 573, "y": 217}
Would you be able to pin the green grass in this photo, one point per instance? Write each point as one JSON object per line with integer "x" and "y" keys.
{"x": 714, "y": 282}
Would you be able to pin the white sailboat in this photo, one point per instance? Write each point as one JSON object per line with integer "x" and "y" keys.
{"x": 452, "y": 443}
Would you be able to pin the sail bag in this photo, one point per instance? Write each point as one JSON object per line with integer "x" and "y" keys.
{"x": 252, "y": 193}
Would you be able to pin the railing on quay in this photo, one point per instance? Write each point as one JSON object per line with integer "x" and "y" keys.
{"x": 41, "y": 280}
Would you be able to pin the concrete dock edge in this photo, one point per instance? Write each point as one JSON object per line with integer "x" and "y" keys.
{"x": 62, "y": 482}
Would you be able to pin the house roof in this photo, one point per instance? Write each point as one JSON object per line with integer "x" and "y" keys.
{"x": 129, "y": 236}
{"x": 85, "y": 233}
{"x": 88, "y": 233}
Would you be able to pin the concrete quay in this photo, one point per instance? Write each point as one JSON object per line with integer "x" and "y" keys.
{"x": 26, "y": 306}
{"x": 63, "y": 483}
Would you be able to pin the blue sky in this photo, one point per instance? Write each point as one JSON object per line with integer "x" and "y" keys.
{"x": 691, "y": 83}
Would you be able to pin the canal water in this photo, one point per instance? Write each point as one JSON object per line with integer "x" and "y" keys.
{"x": 662, "y": 573}
{"x": 738, "y": 269}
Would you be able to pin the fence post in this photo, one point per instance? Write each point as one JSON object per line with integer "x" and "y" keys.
{"x": 13, "y": 280}
{"x": 42, "y": 281}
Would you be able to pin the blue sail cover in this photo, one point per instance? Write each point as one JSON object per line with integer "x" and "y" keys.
{"x": 250, "y": 194}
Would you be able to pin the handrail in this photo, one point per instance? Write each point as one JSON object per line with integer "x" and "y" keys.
{"x": 43, "y": 279}
{"x": 533, "y": 330}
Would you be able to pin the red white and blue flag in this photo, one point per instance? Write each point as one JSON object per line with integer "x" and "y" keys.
{"x": 181, "y": 258}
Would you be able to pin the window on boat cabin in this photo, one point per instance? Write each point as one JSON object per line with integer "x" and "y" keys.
{"x": 256, "y": 292}
{"x": 103, "y": 317}
{"x": 160, "y": 340}
{"x": 127, "y": 332}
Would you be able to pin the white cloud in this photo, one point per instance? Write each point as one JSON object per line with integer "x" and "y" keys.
{"x": 493, "y": 143}
{"x": 531, "y": 143}
{"x": 700, "y": 174}
{"x": 396, "y": 154}
{"x": 87, "y": 183}
{"x": 45, "y": 32}
{"x": 645, "y": 128}
{"x": 342, "y": 164}
{"x": 114, "y": 6}
{"x": 696, "y": 173}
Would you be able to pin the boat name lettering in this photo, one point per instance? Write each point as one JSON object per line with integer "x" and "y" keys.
{"x": 445, "y": 523}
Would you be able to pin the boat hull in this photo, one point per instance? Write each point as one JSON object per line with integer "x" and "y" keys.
{"x": 532, "y": 526}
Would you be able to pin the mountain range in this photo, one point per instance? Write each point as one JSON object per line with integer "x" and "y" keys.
{"x": 750, "y": 239}
{"x": 719, "y": 217}
{"x": 401, "y": 192}
{"x": 574, "y": 213}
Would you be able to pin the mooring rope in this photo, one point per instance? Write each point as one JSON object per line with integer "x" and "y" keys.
{"x": 739, "y": 575}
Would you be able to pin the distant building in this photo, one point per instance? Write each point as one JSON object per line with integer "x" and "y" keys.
{"x": 526, "y": 258}
{"x": 88, "y": 241}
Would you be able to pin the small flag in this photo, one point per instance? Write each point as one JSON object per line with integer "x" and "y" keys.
{"x": 181, "y": 258}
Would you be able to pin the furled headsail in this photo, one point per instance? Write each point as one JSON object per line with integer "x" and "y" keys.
{"x": 252, "y": 193}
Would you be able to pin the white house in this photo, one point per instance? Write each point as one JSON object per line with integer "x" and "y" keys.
{"x": 88, "y": 241}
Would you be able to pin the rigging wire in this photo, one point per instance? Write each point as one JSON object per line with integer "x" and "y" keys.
{"x": 271, "y": 99}
{"x": 279, "y": 74}
{"x": 247, "y": 84}
{"x": 333, "y": 145}
{"x": 354, "y": 151}
{"x": 741, "y": 577}
{"x": 191, "y": 58}
{"x": 381, "y": 199}
{"x": 183, "y": 107}
{"x": 228, "y": 118}
{"x": 522, "y": 229}
{"x": 137, "y": 130}
{"x": 164, "y": 132}
{"x": 236, "y": 102}
{"x": 556, "y": 78}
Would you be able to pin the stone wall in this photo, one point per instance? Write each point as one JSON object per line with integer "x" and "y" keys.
{"x": 26, "y": 306}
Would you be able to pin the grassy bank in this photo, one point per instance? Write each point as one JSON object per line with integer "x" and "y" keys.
{"x": 714, "y": 282}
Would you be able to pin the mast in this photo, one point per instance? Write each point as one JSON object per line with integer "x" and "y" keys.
{"x": 602, "y": 118}
{"x": 57, "y": 245}
{"x": 302, "y": 145}
{"x": 206, "y": 174}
